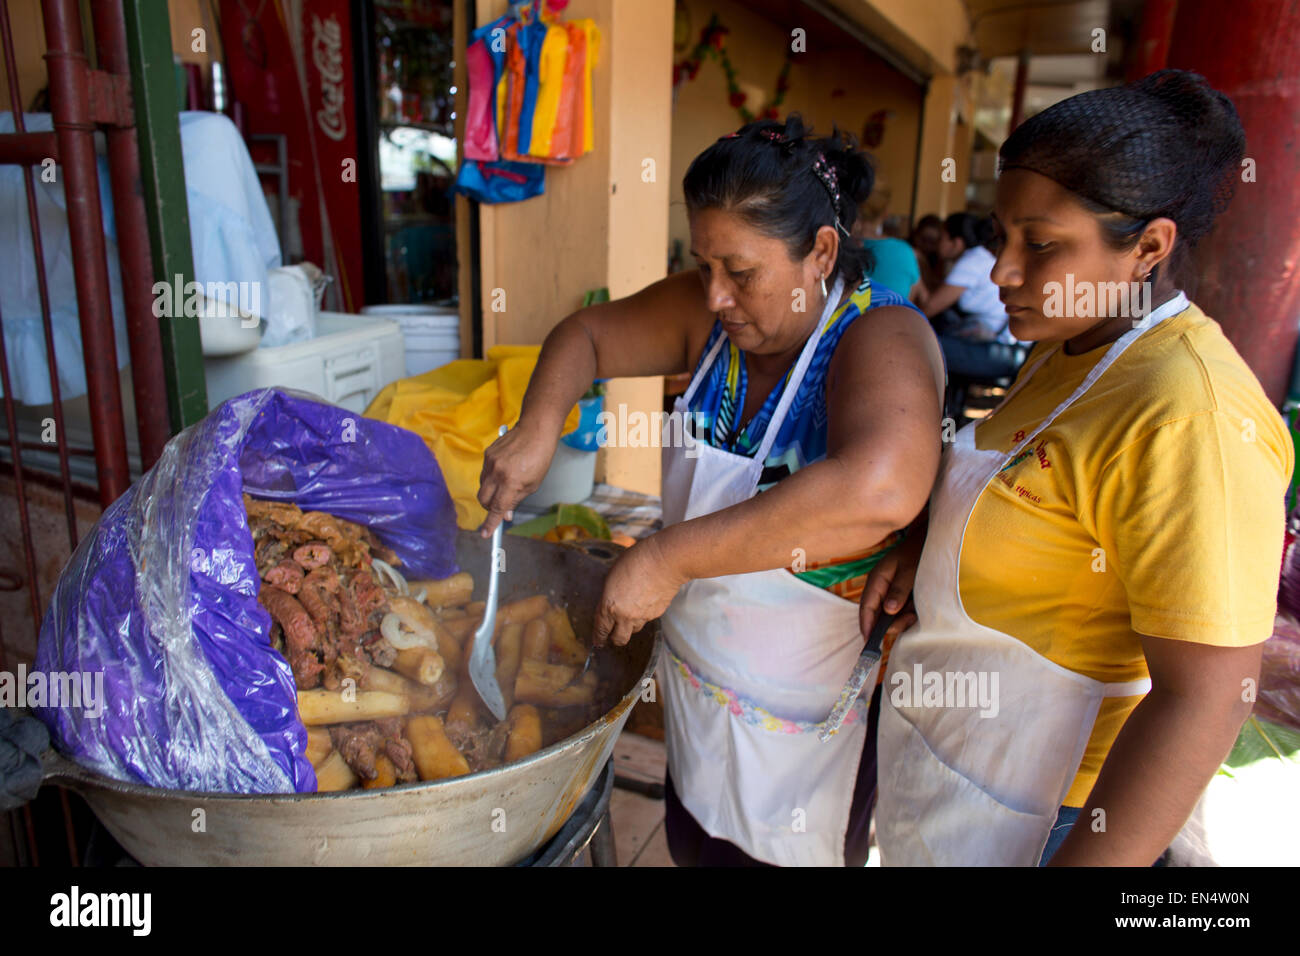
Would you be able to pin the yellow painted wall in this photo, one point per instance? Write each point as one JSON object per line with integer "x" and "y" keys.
{"x": 944, "y": 138}
{"x": 29, "y": 43}
{"x": 29, "y": 46}
{"x": 842, "y": 87}
{"x": 924, "y": 32}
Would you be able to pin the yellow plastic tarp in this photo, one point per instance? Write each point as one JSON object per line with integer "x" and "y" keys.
{"x": 457, "y": 410}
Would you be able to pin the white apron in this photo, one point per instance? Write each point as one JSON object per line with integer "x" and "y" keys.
{"x": 957, "y": 788}
{"x": 755, "y": 662}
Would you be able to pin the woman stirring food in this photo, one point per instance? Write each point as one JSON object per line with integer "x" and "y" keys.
{"x": 1113, "y": 530}
{"x": 817, "y": 390}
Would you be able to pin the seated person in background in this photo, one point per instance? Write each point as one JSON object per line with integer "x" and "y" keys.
{"x": 966, "y": 310}
{"x": 894, "y": 227}
{"x": 925, "y": 239}
{"x": 893, "y": 261}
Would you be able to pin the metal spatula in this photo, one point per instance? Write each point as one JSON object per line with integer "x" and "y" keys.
{"x": 483, "y": 658}
{"x": 863, "y": 669}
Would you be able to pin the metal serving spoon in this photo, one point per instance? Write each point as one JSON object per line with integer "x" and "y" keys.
{"x": 483, "y": 658}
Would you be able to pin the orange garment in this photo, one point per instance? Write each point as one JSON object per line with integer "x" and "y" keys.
{"x": 569, "y": 123}
{"x": 513, "y": 78}
{"x": 593, "y": 50}
{"x": 550, "y": 101}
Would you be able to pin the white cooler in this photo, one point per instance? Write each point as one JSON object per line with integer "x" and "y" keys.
{"x": 349, "y": 361}
{"x": 431, "y": 333}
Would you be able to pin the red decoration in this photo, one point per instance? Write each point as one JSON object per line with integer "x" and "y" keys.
{"x": 712, "y": 43}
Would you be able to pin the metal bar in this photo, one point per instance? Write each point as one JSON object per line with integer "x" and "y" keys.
{"x": 69, "y": 831}
{"x": 69, "y": 104}
{"x": 148, "y": 379}
{"x": 280, "y": 170}
{"x": 34, "y": 856}
{"x": 34, "y": 478}
{"x": 43, "y": 290}
{"x": 11, "y": 418}
{"x": 20, "y": 489}
{"x": 26, "y": 149}
{"x": 149, "y": 45}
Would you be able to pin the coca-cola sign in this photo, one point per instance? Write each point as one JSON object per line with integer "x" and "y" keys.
{"x": 327, "y": 56}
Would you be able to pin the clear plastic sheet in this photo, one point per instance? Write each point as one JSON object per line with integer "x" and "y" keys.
{"x": 161, "y": 597}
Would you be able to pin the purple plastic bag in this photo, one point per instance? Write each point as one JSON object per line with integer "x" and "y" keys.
{"x": 161, "y": 597}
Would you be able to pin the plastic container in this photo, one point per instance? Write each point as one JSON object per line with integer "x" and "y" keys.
{"x": 431, "y": 332}
{"x": 572, "y": 474}
{"x": 571, "y": 478}
{"x": 349, "y": 361}
{"x": 225, "y": 329}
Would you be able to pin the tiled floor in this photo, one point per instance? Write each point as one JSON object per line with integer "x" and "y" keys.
{"x": 638, "y": 820}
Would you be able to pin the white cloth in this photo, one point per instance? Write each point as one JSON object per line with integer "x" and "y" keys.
{"x": 231, "y": 234}
{"x": 754, "y": 661}
{"x": 980, "y": 782}
{"x": 20, "y": 303}
{"x": 972, "y": 272}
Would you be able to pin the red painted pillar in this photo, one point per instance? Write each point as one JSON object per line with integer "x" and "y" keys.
{"x": 1151, "y": 51}
{"x": 1018, "y": 93}
{"x": 1249, "y": 264}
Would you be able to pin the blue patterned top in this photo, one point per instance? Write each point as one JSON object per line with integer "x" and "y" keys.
{"x": 802, "y": 439}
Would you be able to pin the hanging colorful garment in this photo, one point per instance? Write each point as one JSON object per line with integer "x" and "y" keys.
{"x": 531, "y": 38}
{"x": 550, "y": 89}
{"x": 495, "y": 180}
{"x": 592, "y": 31}
{"x": 567, "y": 137}
{"x": 480, "y": 123}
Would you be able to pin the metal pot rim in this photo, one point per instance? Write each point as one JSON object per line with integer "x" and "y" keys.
{"x": 62, "y": 769}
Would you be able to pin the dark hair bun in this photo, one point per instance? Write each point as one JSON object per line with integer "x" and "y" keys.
{"x": 1168, "y": 145}
{"x": 1215, "y": 142}
{"x": 765, "y": 172}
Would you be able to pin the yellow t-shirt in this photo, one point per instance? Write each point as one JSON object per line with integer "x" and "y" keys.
{"x": 1152, "y": 505}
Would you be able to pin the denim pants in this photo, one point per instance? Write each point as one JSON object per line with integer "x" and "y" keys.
{"x": 1065, "y": 818}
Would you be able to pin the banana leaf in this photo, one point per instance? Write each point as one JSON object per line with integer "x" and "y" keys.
{"x": 563, "y": 514}
{"x": 1262, "y": 740}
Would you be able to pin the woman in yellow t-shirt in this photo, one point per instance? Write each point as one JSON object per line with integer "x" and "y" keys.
{"x": 1100, "y": 568}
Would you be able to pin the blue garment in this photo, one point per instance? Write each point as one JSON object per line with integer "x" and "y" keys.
{"x": 503, "y": 180}
{"x": 895, "y": 265}
{"x": 1066, "y": 817}
{"x": 801, "y": 440}
{"x": 531, "y": 37}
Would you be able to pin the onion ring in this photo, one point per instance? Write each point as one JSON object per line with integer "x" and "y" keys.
{"x": 391, "y": 627}
{"x": 387, "y": 570}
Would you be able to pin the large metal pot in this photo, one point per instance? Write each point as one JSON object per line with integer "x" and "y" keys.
{"x": 495, "y": 817}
